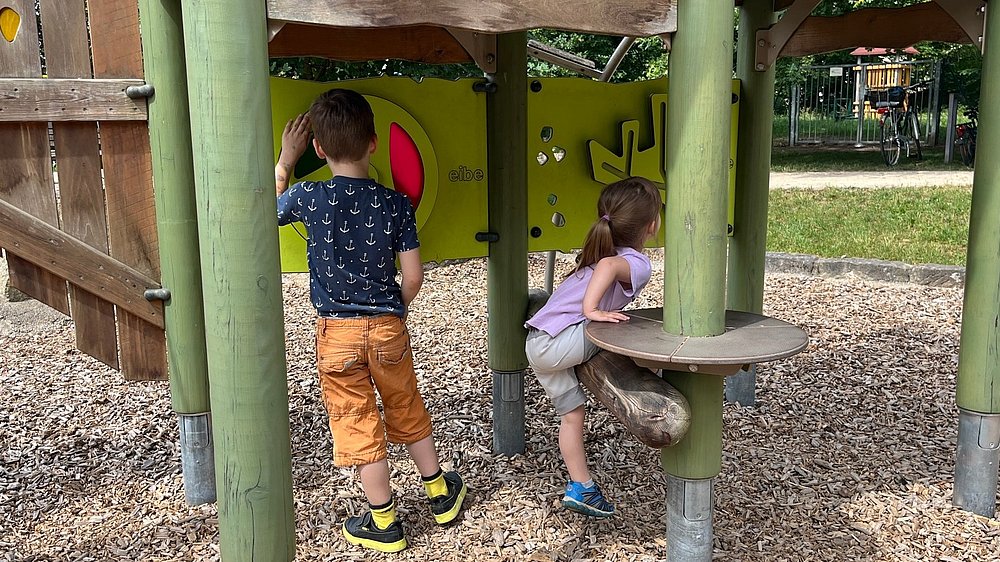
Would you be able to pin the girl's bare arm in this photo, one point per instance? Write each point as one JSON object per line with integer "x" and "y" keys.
{"x": 606, "y": 272}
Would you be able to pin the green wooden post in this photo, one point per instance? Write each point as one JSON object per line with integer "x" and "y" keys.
{"x": 695, "y": 240}
{"x": 697, "y": 164}
{"x": 177, "y": 232}
{"x": 507, "y": 270}
{"x": 747, "y": 246}
{"x": 978, "y": 393}
{"x": 227, "y": 74}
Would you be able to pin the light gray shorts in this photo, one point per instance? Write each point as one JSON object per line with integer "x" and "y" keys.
{"x": 554, "y": 360}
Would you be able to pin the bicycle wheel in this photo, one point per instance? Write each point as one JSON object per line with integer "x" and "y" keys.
{"x": 967, "y": 150}
{"x": 890, "y": 140}
{"x": 914, "y": 136}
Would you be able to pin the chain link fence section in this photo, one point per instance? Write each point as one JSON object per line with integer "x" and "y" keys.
{"x": 836, "y": 104}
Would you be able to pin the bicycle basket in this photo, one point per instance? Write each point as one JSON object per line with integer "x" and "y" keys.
{"x": 896, "y": 94}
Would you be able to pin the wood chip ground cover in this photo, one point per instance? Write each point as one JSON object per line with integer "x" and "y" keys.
{"x": 848, "y": 454}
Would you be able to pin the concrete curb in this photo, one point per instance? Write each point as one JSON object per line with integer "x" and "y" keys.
{"x": 871, "y": 270}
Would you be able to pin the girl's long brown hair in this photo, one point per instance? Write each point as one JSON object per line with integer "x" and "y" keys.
{"x": 625, "y": 210}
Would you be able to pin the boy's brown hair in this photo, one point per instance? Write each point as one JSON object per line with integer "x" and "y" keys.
{"x": 343, "y": 124}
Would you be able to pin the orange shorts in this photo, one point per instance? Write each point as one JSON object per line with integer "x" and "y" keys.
{"x": 355, "y": 357}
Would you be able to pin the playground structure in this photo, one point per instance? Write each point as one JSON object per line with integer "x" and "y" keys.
{"x": 224, "y": 276}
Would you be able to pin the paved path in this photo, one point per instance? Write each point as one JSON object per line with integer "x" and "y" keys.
{"x": 902, "y": 178}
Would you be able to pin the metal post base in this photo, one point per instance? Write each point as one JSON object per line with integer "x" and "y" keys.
{"x": 197, "y": 458}
{"x": 689, "y": 519}
{"x": 976, "y": 462}
{"x": 740, "y": 388}
{"x": 508, "y": 412}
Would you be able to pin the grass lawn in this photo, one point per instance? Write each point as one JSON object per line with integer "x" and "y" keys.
{"x": 845, "y": 158}
{"x": 912, "y": 225}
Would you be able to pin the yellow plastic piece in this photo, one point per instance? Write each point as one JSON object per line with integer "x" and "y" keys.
{"x": 10, "y": 21}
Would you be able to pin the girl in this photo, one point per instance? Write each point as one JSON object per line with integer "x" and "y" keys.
{"x": 610, "y": 272}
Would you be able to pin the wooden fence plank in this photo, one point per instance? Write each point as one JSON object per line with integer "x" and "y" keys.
{"x": 69, "y": 258}
{"x": 128, "y": 181}
{"x": 54, "y": 99}
{"x": 67, "y": 55}
{"x": 25, "y": 164}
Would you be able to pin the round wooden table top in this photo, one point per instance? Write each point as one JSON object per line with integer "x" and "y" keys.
{"x": 749, "y": 338}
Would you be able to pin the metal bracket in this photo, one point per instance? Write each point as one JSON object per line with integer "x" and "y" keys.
{"x": 273, "y": 28}
{"x": 140, "y": 92}
{"x": 720, "y": 370}
{"x": 488, "y": 86}
{"x": 970, "y": 16}
{"x": 511, "y": 385}
{"x": 668, "y": 41}
{"x": 770, "y": 41}
{"x": 482, "y": 47}
{"x": 487, "y": 237}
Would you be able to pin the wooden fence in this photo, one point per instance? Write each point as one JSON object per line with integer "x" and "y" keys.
{"x": 77, "y": 219}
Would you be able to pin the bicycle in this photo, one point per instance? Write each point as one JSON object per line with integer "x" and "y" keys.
{"x": 965, "y": 137}
{"x": 899, "y": 125}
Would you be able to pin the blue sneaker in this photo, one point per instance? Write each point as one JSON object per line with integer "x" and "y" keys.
{"x": 588, "y": 501}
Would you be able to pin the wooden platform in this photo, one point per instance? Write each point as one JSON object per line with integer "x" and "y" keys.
{"x": 749, "y": 338}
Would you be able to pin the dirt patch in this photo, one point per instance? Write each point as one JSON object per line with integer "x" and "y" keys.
{"x": 22, "y": 318}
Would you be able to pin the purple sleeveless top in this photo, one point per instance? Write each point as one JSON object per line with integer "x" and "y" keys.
{"x": 565, "y": 307}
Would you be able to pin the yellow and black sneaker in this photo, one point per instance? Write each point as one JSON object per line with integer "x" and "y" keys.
{"x": 363, "y": 531}
{"x": 446, "y": 507}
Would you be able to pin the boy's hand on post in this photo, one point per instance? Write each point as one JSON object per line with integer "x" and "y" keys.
{"x": 294, "y": 141}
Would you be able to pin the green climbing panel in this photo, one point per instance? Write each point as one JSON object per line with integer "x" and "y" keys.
{"x": 582, "y": 134}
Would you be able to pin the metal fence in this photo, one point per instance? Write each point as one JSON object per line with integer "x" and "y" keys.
{"x": 836, "y": 104}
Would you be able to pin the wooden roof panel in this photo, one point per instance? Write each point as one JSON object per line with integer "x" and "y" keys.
{"x": 635, "y": 18}
{"x": 432, "y": 45}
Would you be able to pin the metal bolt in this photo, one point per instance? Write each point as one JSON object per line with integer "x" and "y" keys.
{"x": 156, "y": 294}
{"x": 137, "y": 92}
{"x": 760, "y": 66}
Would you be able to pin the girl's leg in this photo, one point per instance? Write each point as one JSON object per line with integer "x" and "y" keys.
{"x": 571, "y": 444}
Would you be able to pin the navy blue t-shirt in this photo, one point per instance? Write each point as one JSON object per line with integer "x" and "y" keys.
{"x": 356, "y": 227}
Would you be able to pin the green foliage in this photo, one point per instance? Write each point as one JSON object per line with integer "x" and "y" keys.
{"x": 324, "y": 70}
{"x": 927, "y": 225}
{"x": 645, "y": 60}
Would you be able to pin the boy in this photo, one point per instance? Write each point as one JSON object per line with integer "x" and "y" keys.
{"x": 357, "y": 228}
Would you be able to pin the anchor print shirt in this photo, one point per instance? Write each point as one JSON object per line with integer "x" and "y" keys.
{"x": 356, "y": 227}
